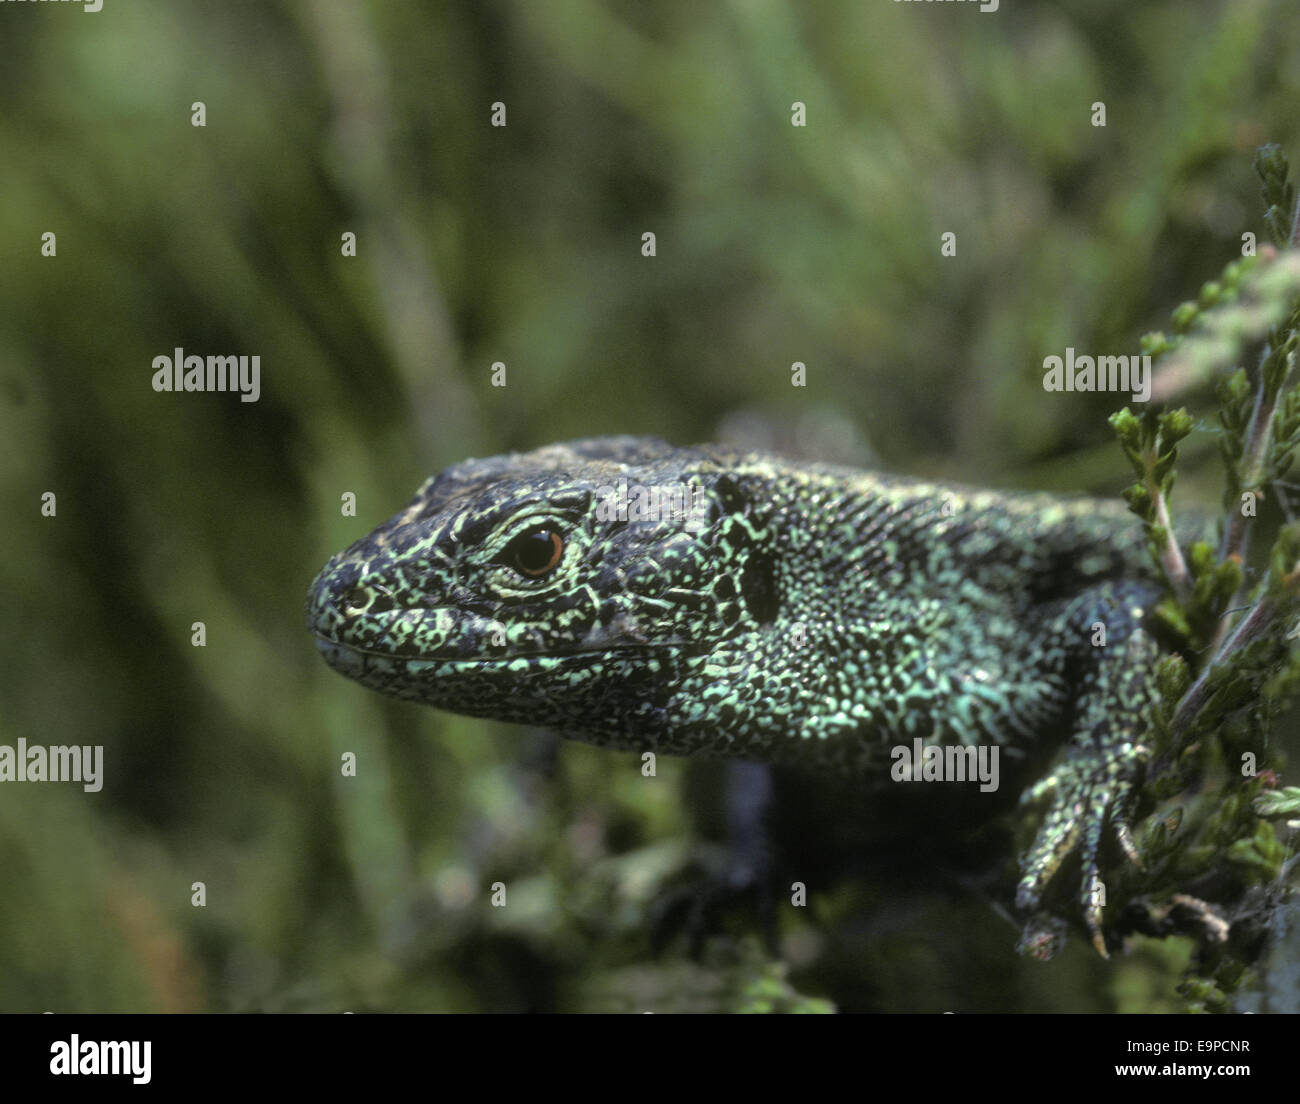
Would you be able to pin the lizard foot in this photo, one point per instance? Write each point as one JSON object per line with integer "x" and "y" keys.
{"x": 1087, "y": 794}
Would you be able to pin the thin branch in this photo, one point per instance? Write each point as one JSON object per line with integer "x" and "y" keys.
{"x": 1171, "y": 556}
{"x": 1258, "y": 436}
{"x": 1254, "y": 626}
{"x": 1249, "y": 629}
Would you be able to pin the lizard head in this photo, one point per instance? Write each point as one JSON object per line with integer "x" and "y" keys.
{"x": 574, "y": 586}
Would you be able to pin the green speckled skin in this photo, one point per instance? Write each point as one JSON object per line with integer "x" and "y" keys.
{"x": 805, "y": 613}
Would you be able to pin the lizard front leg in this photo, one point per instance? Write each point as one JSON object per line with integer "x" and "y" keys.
{"x": 1093, "y": 785}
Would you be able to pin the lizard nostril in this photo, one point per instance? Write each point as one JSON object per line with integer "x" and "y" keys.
{"x": 355, "y": 599}
{"x": 360, "y": 599}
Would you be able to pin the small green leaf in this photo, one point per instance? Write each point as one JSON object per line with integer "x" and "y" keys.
{"x": 1279, "y": 803}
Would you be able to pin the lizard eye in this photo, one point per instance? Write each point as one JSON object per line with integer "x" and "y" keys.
{"x": 536, "y": 552}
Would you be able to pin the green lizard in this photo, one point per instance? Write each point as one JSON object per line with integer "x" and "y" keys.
{"x": 633, "y": 594}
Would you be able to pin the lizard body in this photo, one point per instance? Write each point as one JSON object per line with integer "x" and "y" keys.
{"x": 706, "y": 601}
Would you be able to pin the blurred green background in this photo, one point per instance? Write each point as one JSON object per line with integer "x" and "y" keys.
{"x": 522, "y": 244}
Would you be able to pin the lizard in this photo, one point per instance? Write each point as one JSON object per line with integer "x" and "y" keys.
{"x": 716, "y": 602}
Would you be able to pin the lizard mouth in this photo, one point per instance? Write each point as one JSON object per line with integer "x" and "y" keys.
{"x": 522, "y": 686}
{"x": 332, "y": 647}
{"x": 439, "y": 636}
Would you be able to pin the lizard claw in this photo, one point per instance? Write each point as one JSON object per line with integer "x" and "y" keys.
{"x": 1128, "y": 844}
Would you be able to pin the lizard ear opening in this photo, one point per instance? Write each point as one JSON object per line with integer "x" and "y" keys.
{"x": 758, "y": 587}
{"x": 730, "y": 497}
{"x": 758, "y": 575}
